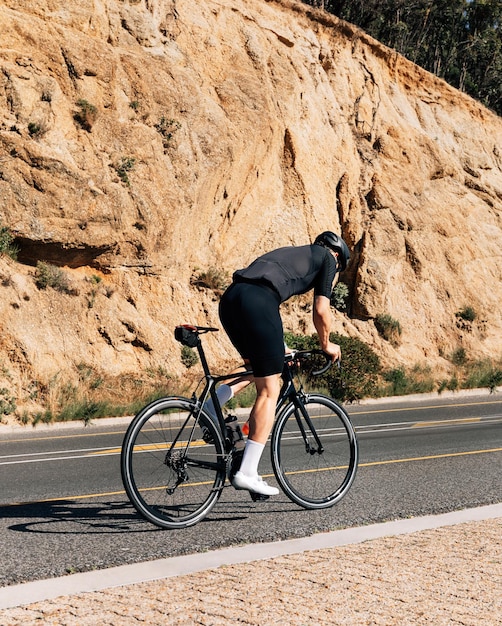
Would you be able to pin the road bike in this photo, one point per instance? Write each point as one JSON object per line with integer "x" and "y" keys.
{"x": 176, "y": 458}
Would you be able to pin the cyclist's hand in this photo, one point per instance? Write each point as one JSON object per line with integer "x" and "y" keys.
{"x": 334, "y": 351}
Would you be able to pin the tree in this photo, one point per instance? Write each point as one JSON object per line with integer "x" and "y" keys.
{"x": 458, "y": 40}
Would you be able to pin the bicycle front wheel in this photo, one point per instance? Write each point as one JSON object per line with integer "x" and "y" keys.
{"x": 173, "y": 464}
{"x": 314, "y": 464}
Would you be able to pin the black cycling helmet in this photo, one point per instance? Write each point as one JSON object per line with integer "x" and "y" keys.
{"x": 332, "y": 241}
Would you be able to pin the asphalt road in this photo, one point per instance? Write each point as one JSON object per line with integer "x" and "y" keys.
{"x": 63, "y": 509}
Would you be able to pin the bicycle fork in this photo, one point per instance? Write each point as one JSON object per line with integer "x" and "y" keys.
{"x": 301, "y": 411}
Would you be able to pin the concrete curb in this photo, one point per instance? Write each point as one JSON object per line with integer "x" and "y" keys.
{"x": 126, "y": 419}
{"x": 28, "y": 593}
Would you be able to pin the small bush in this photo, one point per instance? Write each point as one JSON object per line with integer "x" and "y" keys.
{"x": 47, "y": 275}
{"x": 86, "y": 115}
{"x": 388, "y": 328}
{"x": 36, "y": 130}
{"x": 459, "y": 356}
{"x": 416, "y": 380}
{"x": 483, "y": 374}
{"x": 7, "y": 246}
{"x": 123, "y": 167}
{"x": 450, "y": 385}
{"x": 360, "y": 368}
{"x": 7, "y": 402}
{"x": 95, "y": 281}
{"x": 398, "y": 380}
{"x": 467, "y": 313}
{"x": 213, "y": 278}
{"x": 339, "y": 296}
{"x": 189, "y": 357}
{"x": 95, "y": 394}
{"x": 167, "y": 128}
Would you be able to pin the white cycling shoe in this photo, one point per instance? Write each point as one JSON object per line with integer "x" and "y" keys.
{"x": 255, "y": 484}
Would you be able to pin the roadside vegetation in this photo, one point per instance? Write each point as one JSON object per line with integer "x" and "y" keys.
{"x": 94, "y": 394}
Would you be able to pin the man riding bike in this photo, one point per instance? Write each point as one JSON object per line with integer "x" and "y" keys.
{"x": 249, "y": 312}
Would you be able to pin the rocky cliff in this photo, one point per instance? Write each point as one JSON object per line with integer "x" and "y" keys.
{"x": 145, "y": 141}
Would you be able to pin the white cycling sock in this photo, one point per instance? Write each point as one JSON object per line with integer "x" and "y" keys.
{"x": 224, "y": 393}
{"x": 251, "y": 457}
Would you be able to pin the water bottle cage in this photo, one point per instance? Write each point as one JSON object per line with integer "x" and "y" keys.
{"x": 234, "y": 432}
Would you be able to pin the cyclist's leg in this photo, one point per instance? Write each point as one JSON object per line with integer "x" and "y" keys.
{"x": 260, "y": 424}
{"x": 251, "y": 318}
{"x": 227, "y": 391}
{"x": 262, "y": 414}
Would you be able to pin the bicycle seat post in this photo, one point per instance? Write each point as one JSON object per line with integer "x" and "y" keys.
{"x": 202, "y": 356}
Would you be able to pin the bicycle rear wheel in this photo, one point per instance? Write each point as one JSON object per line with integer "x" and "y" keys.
{"x": 173, "y": 466}
{"x": 314, "y": 476}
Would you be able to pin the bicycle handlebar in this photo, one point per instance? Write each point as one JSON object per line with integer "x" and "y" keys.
{"x": 308, "y": 354}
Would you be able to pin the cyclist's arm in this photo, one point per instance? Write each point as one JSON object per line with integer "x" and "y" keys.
{"x": 322, "y": 323}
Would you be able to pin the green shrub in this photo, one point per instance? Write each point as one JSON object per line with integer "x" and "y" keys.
{"x": 86, "y": 115}
{"x": 123, "y": 167}
{"x": 339, "y": 296}
{"x": 416, "y": 380}
{"x": 47, "y": 275}
{"x": 36, "y": 130}
{"x": 398, "y": 380}
{"x": 450, "y": 385}
{"x": 467, "y": 313}
{"x": 459, "y": 356}
{"x": 483, "y": 374}
{"x": 189, "y": 357}
{"x": 360, "y": 369}
{"x": 388, "y": 328}
{"x": 7, "y": 402}
{"x": 167, "y": 127}
{"x": 7, "y": 246}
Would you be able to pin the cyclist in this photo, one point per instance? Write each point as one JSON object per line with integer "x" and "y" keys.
{"x": 249, "y": 313}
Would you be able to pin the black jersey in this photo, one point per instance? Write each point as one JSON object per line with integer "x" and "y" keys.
{"x": 293, "y": 270}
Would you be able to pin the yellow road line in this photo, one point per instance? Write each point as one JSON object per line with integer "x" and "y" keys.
{"x": 422, "y": 408}
{"x": 460, "y": 420}
{"x": 149, "y": 446}
{"x": 428, "y": 458}
{"x": 373, "y": 463}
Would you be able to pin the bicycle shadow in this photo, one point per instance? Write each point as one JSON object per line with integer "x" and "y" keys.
{"x": 70, "y": 517}
{"x": 74, "y": 518}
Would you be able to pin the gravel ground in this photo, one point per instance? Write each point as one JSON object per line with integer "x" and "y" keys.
{"x": 449, "y": 575}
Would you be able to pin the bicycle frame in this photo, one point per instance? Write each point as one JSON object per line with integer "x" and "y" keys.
{"x": 288, "y": 393}
{"x": 209, "y": 391}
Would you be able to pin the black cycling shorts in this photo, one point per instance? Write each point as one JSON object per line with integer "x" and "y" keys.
{"x": 250, "y": 316}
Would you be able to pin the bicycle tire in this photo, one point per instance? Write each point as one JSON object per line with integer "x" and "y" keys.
{"x": 173, "y": 469}
{"x": 313, "y": 479}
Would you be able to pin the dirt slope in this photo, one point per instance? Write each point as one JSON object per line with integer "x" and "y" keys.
{"x": 142, "y": 142}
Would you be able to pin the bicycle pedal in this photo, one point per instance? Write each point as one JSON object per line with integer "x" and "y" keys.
{"x": 258, "y": 497}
